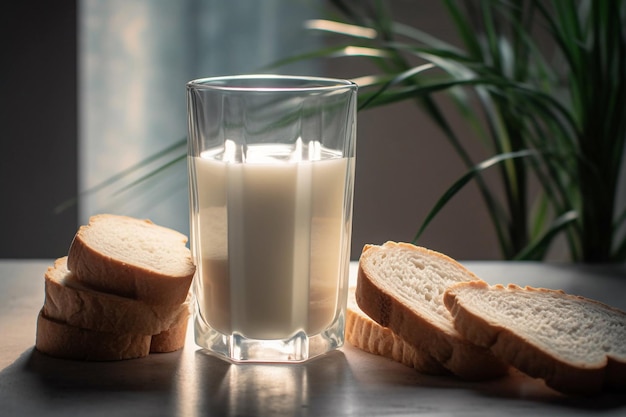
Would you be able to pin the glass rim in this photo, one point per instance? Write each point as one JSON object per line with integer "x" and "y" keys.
{"x": 263, "y": 83}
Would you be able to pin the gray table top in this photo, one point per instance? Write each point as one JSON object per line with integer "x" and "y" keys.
{"x": 344, "y": 383}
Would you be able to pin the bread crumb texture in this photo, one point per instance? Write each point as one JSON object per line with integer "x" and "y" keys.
{"x": 138, "y": 242}
{"x": 577, "y": 329}
{"x": 418, "y": 278}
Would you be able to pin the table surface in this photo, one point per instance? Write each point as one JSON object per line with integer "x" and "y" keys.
{"x": 343, "y": 383}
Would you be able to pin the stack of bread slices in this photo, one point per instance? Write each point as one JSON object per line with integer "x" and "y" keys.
{"x": 122, "y": 292}
{"x": 425, "y": 310}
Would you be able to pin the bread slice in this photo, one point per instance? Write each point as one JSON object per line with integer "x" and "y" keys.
{"x": 70, "y": 301}
{"x": 577, "y": 345}
{"x": 132, "y": 258}
{"x": 366, "y": 334}
{"x": 61, "y": 340}
{"x": 172, "y": 339}
{"x": 401, "y": 286}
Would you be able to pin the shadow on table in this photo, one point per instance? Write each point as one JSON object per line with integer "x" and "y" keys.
{"x": 153, "y": 373}
{"x": 192, "y": 382}
{"x": 518, "y": 385}
{"x": 37, "y": 384}
{"x": 515, "y": 389}
{"x": 345, "y": 383}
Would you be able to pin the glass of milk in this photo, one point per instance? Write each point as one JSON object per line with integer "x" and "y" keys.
{"x": 271, "y": 179}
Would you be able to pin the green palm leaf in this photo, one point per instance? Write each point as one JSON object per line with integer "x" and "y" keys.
{"x": 464, "y": 180}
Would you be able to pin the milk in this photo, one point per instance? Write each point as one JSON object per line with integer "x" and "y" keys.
{"x": 272, "y": 231}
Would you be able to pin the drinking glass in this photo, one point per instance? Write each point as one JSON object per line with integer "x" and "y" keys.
{"x": 271, "y": 177}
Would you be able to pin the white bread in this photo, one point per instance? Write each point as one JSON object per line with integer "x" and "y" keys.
{"x": 121, "y": 293}
{"x": 71, "y": 301}
{"x": 401, "y": 286}
{"x": 171, "y": 339}
{"x": 61, "y": 340}
{"x": 132, "y": 258}
{"x": 577, "y": 345}
{"x": 366, "y": 334}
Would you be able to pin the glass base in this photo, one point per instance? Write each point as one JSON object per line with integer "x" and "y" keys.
{"x": 298, "y": 348}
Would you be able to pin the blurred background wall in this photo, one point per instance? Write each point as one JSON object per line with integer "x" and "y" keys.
{"x": 38, "y": 127}
{"x": 91, "y": 87}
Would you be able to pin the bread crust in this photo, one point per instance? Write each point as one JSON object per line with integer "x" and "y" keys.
{"x": 111, "y": 275}
{"x": 512, "y": 348}
{"x": 454, "y": 352}
{"x": 366, "y": 334}
{"x": 172, "y": 339}
{"x": 70, "y": 301}
{"x": 61, "y": 340}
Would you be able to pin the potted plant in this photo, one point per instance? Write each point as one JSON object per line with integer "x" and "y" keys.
{"x": 550, "y": 112}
